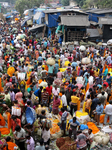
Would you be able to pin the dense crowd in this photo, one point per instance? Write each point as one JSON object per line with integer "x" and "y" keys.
{"x": 39, "y": 77}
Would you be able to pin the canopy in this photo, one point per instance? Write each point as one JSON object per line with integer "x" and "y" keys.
{"x": 23, "y": 23}
{"x": 33, "y": 29}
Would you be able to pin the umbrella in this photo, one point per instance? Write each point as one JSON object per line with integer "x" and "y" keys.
{"x": 79, "y": 85}
{"x": 104, "y": 44}
{"x": 50, "y": 61}
{"x": 82, "y": 48}
{"x": 30, "y": 115}
{"x": 109, "y": 42}
{"x": 66, "y": 63}
{"x": 100, "y": 43}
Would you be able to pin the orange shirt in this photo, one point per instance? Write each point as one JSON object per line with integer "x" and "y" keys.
{"x": 6, "y": 58}
{"x": 13, "y": 124}
{"x": 11, "y": 145}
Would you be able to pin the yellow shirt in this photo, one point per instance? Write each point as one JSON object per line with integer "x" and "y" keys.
{"x": 74, "y": 99}
{"x": 96, "y": 73}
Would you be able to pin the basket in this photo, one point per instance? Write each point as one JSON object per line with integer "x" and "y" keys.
{"x": 30, "y": 115}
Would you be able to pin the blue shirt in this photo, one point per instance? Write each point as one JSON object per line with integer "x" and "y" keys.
{"x": 40, "y": 59}
{"x": 109, "y": 80}
{"x": 99, "y": 109}
{"x": 36, "y": 92}
{"x": 94, "y": 103}
{"x": 50, "y": 69}
{"x": 56, "y": 68}
{"x": 106, "y": 72}
{"x": 71, "y": 120}
{"x": 74, "y": 64}
{"x": 45, "y": 44}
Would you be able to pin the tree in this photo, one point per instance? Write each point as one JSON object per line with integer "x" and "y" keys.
{"x": 65, "y": 2}
{"x": 22, "y": 5}
{"x": 80, "y": 2}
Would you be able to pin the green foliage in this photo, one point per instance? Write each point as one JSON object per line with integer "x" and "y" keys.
{"x": 65, "y": 2}
{"x": 22, "y": 5}
{"x": 98, "y": 3}
{"x": 80, "y": 2}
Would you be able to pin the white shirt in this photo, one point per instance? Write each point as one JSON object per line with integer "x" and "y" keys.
{"x": 43, "y": 54}
{"x": 25, "y": 51}
{"x": 87, "y": 93}
{"x": 46, "y": 135}
{"x": 26, "y": 68}
{"x": 20, "y": 134}
{"x": 108, "y": 109}
{"x": 62, "y": 57}
{"x": 64, "y": 100}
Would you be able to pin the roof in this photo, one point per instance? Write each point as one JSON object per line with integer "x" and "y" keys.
{"x": 36, "y": 27}
{"x": 79, "y": 20}
{"x": 63, "y": 10}
{"x": 93, "y": 23}
{"x": 100, "y": 11}
{"x": 93, "y": 33}
{"x": 24, "y": 21}
{"x": 105, "y": 20}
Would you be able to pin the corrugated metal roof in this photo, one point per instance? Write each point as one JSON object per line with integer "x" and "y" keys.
{"x": 105, "y": 20}
{"x": 79, "y": 20}
{"x": 100, "y": 11}
{"x": 36, "y": 27}
{"x": 93, "y": 33}
{"x": 93, "y": 23}
{"x": 63, "y": 10}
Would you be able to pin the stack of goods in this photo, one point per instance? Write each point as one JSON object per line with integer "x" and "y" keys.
{"x": 63, "y": 143}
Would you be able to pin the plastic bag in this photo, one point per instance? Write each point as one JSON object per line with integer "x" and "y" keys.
{"x": 86, "y": 61}
{"x": 39, "y": 132}
{"x": 23, "y": 119}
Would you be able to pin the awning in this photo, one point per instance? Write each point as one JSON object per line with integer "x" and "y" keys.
{"x": 93, "y": 33}
{"x": 79, "y": 20}
{"x": 33, "y": 29}
{"x": 105, "y": 20}
{"x": 93, "y": 23}
{"x": 8, "y": 17}
{"x": 23, "y": 23}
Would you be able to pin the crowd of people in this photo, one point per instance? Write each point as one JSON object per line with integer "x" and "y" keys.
{"x": 27, "y": 80}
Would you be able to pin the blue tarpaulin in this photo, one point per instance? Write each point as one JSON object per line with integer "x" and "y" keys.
{"x": 23, "y": 23}
{"x": 8, "y": 17}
